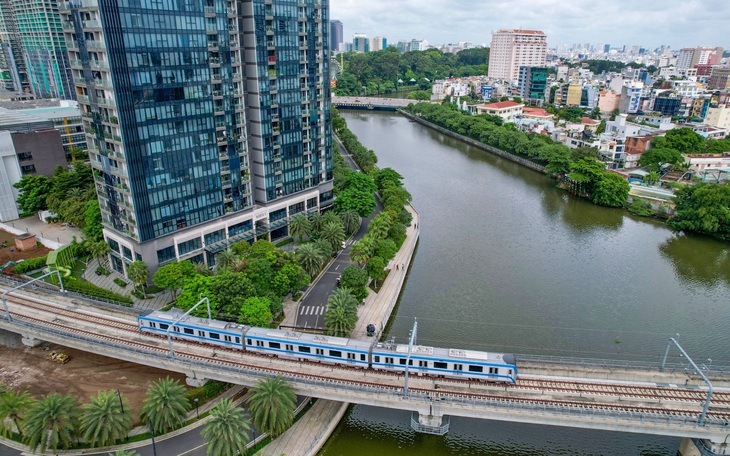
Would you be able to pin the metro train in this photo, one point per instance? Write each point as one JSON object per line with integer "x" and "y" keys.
{"x": 384, "y": 356}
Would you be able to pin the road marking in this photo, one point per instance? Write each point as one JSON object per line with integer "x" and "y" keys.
{"x": 192, "y": 449}
{"x": 301, "y": 310}
{"x": 321, "y": 310}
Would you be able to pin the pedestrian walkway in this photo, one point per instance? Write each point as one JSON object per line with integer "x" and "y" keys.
{"x": 107, "y": 282}
{"x": 52, "y": 235}
{"x": 308, "y": 435}
{"x": 378, "y": 306}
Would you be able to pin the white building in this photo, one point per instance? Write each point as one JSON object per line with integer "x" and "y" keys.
{"x": 511, "y": 49}
{"x": 718, "y": 116}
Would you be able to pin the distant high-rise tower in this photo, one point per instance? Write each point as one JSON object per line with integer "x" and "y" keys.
{"x": 13, "y": 72}
{"x": 378, "y": 43}
{"x": 360, "y": 42}
{"x": 207, "y": 122}
{"x": 511, "y": 49}
{"x": 37, "y": 26}
{"x": 606, "y": 48}
{"x": 336, "y": 35}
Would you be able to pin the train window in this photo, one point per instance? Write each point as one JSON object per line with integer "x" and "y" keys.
{"x": 238, "y": 340}
{"x": 259, "y": 343}
{"x": 336, "y": 353}
{"x": 476, "y": 369}
{"x": 402, "y": 361}
{"x": 458, "y": 367}
{"x": 215, "y": 336}
{"x": 227, "y": 338}
{"x": 163, "y": 326}
{"x": 320, "y": 351}
{"x": 176, "y": 329}
{"x": 362, "y": 357}
{"x": 423, "y": 364}
{"x": 289, "y": 347}
{"x": 388, "y": 360}
{"x": 350, "y": 356}
{"x": 274, "y": 345}
{"x": 153, "y": 324}
{"x": 305, "y": 349}
{"x": 377, "y": 359}
{"x": 201, "y": 333}
{"x": 188, "y": 331}
{"x": 439, "y": 365}
{"x": 492, "y": 370}
{"x": 509, "y": 372}
{"x": 248, "y": 341}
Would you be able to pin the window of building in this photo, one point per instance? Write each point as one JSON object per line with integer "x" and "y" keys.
{"x": 25, "y": 156}
{"x": 189, "y": 246}
{"x": 163, "y": 255}
{"x": 27, "y": 169}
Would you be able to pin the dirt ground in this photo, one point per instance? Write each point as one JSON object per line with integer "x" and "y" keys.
{"x": 30, "y": 369}
{"x": 6, "y": 254}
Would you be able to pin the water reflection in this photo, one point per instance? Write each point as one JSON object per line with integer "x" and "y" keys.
{"x": 698, "y": 260}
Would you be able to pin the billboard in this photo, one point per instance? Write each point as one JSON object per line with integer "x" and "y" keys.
{"x": 486, "y": 92}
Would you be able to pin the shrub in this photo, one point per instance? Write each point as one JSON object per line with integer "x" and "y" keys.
{"x": 31, "y": 264}
{"x": 284, "y": 242}
{"x": 296, "y": 296}
{"x": 152, "y": 289}
{"x": 101, "y": 270}
{"x": 120, "y": 282}
{"x": 138, "y": 294}
{"x": 641, "y": 208}
{"x": 91, "y": 290}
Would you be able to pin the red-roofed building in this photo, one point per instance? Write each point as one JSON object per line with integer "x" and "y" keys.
{"x": 590, "y": 124}
{"x": 536, "y": 113}
{"x": 507, "y": 110}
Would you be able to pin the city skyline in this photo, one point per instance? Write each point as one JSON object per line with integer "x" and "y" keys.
{"x": 441, "y": 21}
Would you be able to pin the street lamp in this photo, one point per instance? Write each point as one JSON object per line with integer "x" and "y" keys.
{"x": 121, "y": 404}
{"x": 196, "y": 408}
{"x": 152, "y": 432}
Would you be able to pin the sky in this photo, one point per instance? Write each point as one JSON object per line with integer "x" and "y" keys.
{"x": 652, "y": 23}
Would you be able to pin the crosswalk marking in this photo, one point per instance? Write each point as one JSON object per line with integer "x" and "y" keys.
{"x": 312, "y": 310}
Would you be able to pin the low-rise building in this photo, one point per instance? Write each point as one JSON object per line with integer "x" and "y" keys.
{"x": 507, "y": 110}
{"x": 608, "y": 100}
{"x": 700, "y": 163}
{"x": 718, "y": 116}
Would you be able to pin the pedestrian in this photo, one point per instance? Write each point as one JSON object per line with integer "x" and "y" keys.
{"x": 396, "y": 267}
{"x": 404, "y": 266}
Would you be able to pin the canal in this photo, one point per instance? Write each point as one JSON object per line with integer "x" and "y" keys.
{"x": 509, "y": 263}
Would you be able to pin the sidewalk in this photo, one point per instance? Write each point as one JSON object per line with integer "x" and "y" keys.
{"x": 379, "y": 306}
{"x": 107, "y": 282}
{"x": 308, "y": 435}
{"x": 52, "y": 235}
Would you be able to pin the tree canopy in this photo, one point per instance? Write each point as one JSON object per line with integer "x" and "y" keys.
{"x": 703, "y": 208}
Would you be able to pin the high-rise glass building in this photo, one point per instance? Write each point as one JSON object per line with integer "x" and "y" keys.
{"x": 13, "y": 73}
{"x": 207, "y": 121}
{"x": 336, "y": 35}
{"x": 34, "y": 30}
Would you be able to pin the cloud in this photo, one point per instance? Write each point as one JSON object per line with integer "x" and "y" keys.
{"x": 678, "y": 23}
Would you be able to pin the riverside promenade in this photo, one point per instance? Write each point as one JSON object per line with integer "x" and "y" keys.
{"x": 310, "y": 433}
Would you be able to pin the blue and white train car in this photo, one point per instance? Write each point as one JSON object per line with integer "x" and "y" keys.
{"x": 197, "y": 329}
{"x": 447, "y": 362}
{"x": 312, "y": 347}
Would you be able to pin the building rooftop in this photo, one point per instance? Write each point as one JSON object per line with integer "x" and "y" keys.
{"x": 588, "y": 121}
{"x": 503, "y": 105}
{"x": 17, "y": 121}
{"x": 535, "y": 112}
{"x": 522, "y": 32}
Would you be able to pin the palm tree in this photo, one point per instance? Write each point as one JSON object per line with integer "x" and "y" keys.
{"x": 51, "y": 423}
{"x": 138, "y": 273}
{"x": 325, "y": 247}
{"x": 272, "y": 404}
{"x": 300, "y": 226}
{"x": 379, "y": 226}
{"x": 104, "y": 421}
{"x": 361, "y": 251}
{"x": 341, "y": 314}
{"x": 333, "y": 233}
{"x": 351, "y": 221}
{"x": 165, "y": 405}
{"x": 310, "y": 258}
{"x": 316, "y": 220}
{"x": 98, "y": 250}
{"x": 13, "y": 407}
{"x": 226, "y": 433}
{"x": 227, "y": 259}
{"x": 329, "y": 217}
{"x": 202, "y": 269}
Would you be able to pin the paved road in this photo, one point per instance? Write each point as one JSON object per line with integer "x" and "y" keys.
{"x": 310, "y": 312}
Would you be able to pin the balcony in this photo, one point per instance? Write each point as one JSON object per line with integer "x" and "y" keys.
{"x": 95, "y": 45}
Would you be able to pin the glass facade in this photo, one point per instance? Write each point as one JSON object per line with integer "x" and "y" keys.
{"x": 195, "y": 111}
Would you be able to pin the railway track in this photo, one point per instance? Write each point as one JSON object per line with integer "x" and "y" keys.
{"x": 677, "y": 402}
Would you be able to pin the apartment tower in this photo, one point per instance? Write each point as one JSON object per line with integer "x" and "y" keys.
{"x": 336, "y": 35}
{"x": 34, "y": 49}
{"x": 207, "y": 121}
{"x": 511, "y": 49}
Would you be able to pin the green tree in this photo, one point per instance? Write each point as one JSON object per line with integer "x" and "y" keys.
{"x": 98, "y": 250}
{"x": 703, "y": 208}
{"x": 300, "y": 226}
{"x": 651, "y": 178}
{"x": 316, "y": 220}
{"x": 138, "y": 273}
{"x": 379, "y": 226}
{"x": 33, "y": 191}
{"x": 386, "y": 249}
{"x": 255, "y": 311}
{"x": 194, "y": 289}
{"x": 684, "y": 140}
{"x": 611, "y": 190}
{"x": 92, "y": 221}
{"x": 272, "y": 404}
{"x": 51, "y": 423}
{"x": 376, "y": 269}
{"x": 656, "y": 157}
{"x": 13, "y": 407}
{"x": 173, "y": 276}
{"x": 341, "y": 315}
{"x": 333, "y": 233}
{"x": 355, "y": 279}
{"x": 310, "y": 258}
{"x": 357, "y": 195}
{"x": 386, "y": 177}
{"x": 361, "y": 251}
{"x": 102, "y": 420}
{"x": 166, "y": 405}
{"x": 226, "y": 432}
{"x": 229, "y": 286}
